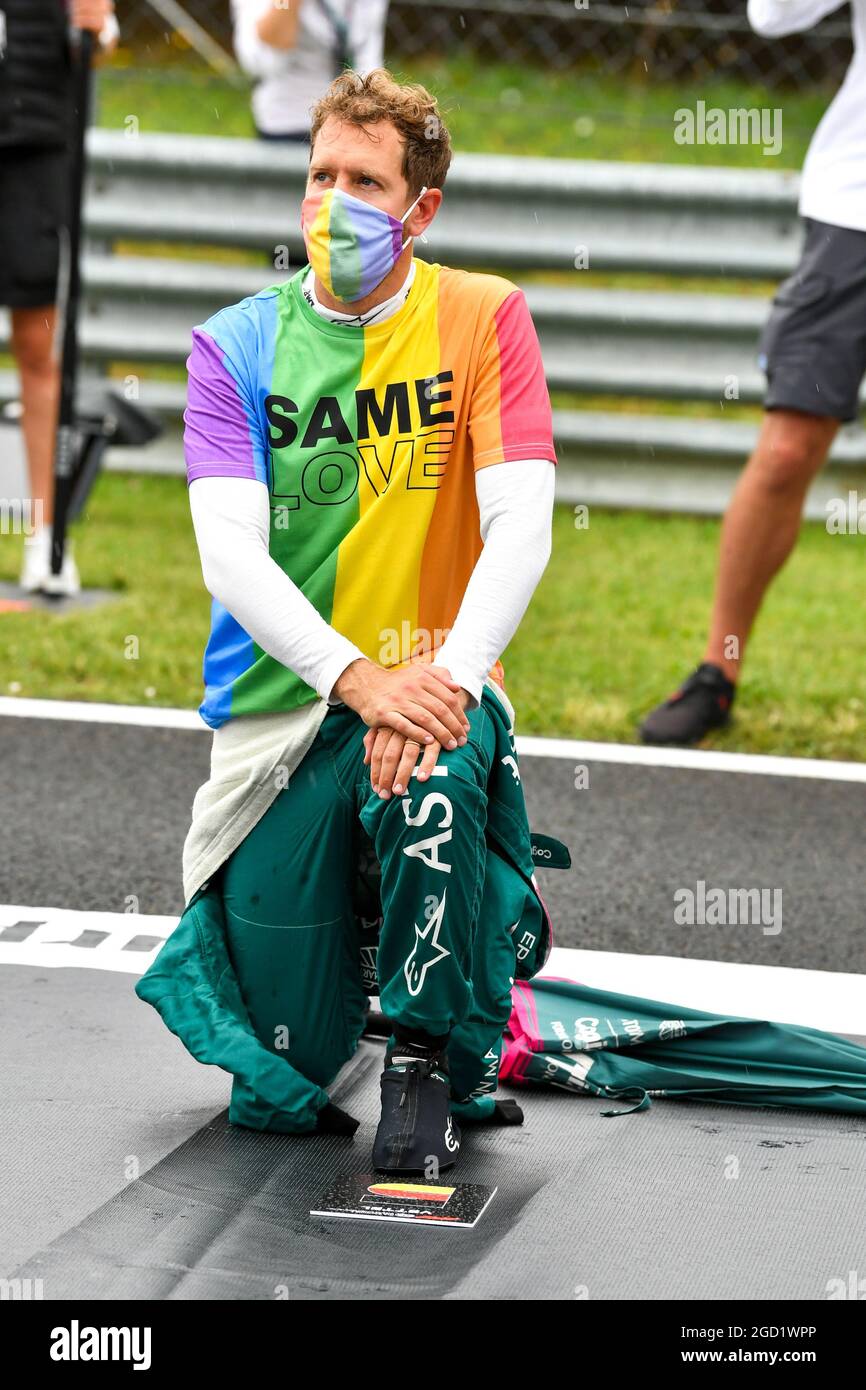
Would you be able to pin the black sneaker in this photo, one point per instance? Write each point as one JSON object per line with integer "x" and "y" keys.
{"x": 703, "y": 702}
{"x": 416, "y": 1133}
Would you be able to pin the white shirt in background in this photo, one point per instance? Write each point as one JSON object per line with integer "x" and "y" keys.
{"x": 833, "y": 187}
{"x": 290, "y": 80}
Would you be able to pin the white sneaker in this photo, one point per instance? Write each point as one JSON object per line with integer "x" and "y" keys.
{"x": 36, "y": 576}
{"x": 37, "y": 560}
{"x": 67, "y": 583}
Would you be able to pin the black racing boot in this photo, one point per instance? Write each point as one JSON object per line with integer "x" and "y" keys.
{"x": 703, "y": 702}
{"x": 416, "y": 1133}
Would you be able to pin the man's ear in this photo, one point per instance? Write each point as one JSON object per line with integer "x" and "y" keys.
{"x": 420, "y": 217}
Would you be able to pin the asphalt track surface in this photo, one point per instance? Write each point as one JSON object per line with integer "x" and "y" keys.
{"x": 123, "y": 1179}
{"x": 94, "y": 814}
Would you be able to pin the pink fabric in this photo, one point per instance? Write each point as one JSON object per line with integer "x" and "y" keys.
{"x": 524, "y": 410}
{"x": 522, "y": 1037}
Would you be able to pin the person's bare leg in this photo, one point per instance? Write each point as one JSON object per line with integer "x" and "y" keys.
{"x": 39, "y": 370}
{"x": 761, "y": 525}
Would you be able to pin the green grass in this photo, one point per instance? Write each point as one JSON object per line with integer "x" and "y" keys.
{"x": 620, "y": 618}
{"x": 137, "y": 540}
{"x": 495, "y": 107}
{"x": 616, "y": 622}
{"x": 526, "y": 109}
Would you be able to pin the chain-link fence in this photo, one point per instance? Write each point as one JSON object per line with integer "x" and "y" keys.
{"x": 664, "y": 39}
{"x": 569, "y": 78}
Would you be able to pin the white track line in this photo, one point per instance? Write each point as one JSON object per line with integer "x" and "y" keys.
{"x": 830, "y": 1000}
{"x": 51, "y": 941}
{"x": 83, "y": 712}
{"x": 691, "y": 759}
{"x": 573, "y": 750}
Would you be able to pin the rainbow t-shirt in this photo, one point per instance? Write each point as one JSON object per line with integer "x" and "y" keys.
{"x": 367, "y": 439}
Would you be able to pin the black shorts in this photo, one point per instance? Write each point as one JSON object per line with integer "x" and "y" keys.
{"x": 813, "y": 348}
{"x": 33, "y": 206}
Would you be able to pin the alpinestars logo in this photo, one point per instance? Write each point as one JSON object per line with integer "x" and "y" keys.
{"x": 452, "y": 1143}
{"x": 512, "y": 763}
{"x": 427, "y": 951}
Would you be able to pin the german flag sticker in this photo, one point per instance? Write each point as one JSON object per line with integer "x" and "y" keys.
{"x": 411, "y": 1192}
{"x": 380, "y": 1197}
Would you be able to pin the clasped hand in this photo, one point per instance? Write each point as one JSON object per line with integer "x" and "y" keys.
{"x": 412, "y": 711}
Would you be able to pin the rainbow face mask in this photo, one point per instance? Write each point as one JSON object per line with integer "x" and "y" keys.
{"x": 351, "y": 245}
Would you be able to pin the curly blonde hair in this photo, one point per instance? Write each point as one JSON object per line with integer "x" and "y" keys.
{"x": 377, "y": 96}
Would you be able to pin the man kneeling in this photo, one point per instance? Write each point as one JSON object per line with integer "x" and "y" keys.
{"x": 371, "y": 473}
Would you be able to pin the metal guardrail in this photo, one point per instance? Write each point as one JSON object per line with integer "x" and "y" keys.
{"x": 191, "y": 198}
{"x": 523, "y": 214}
